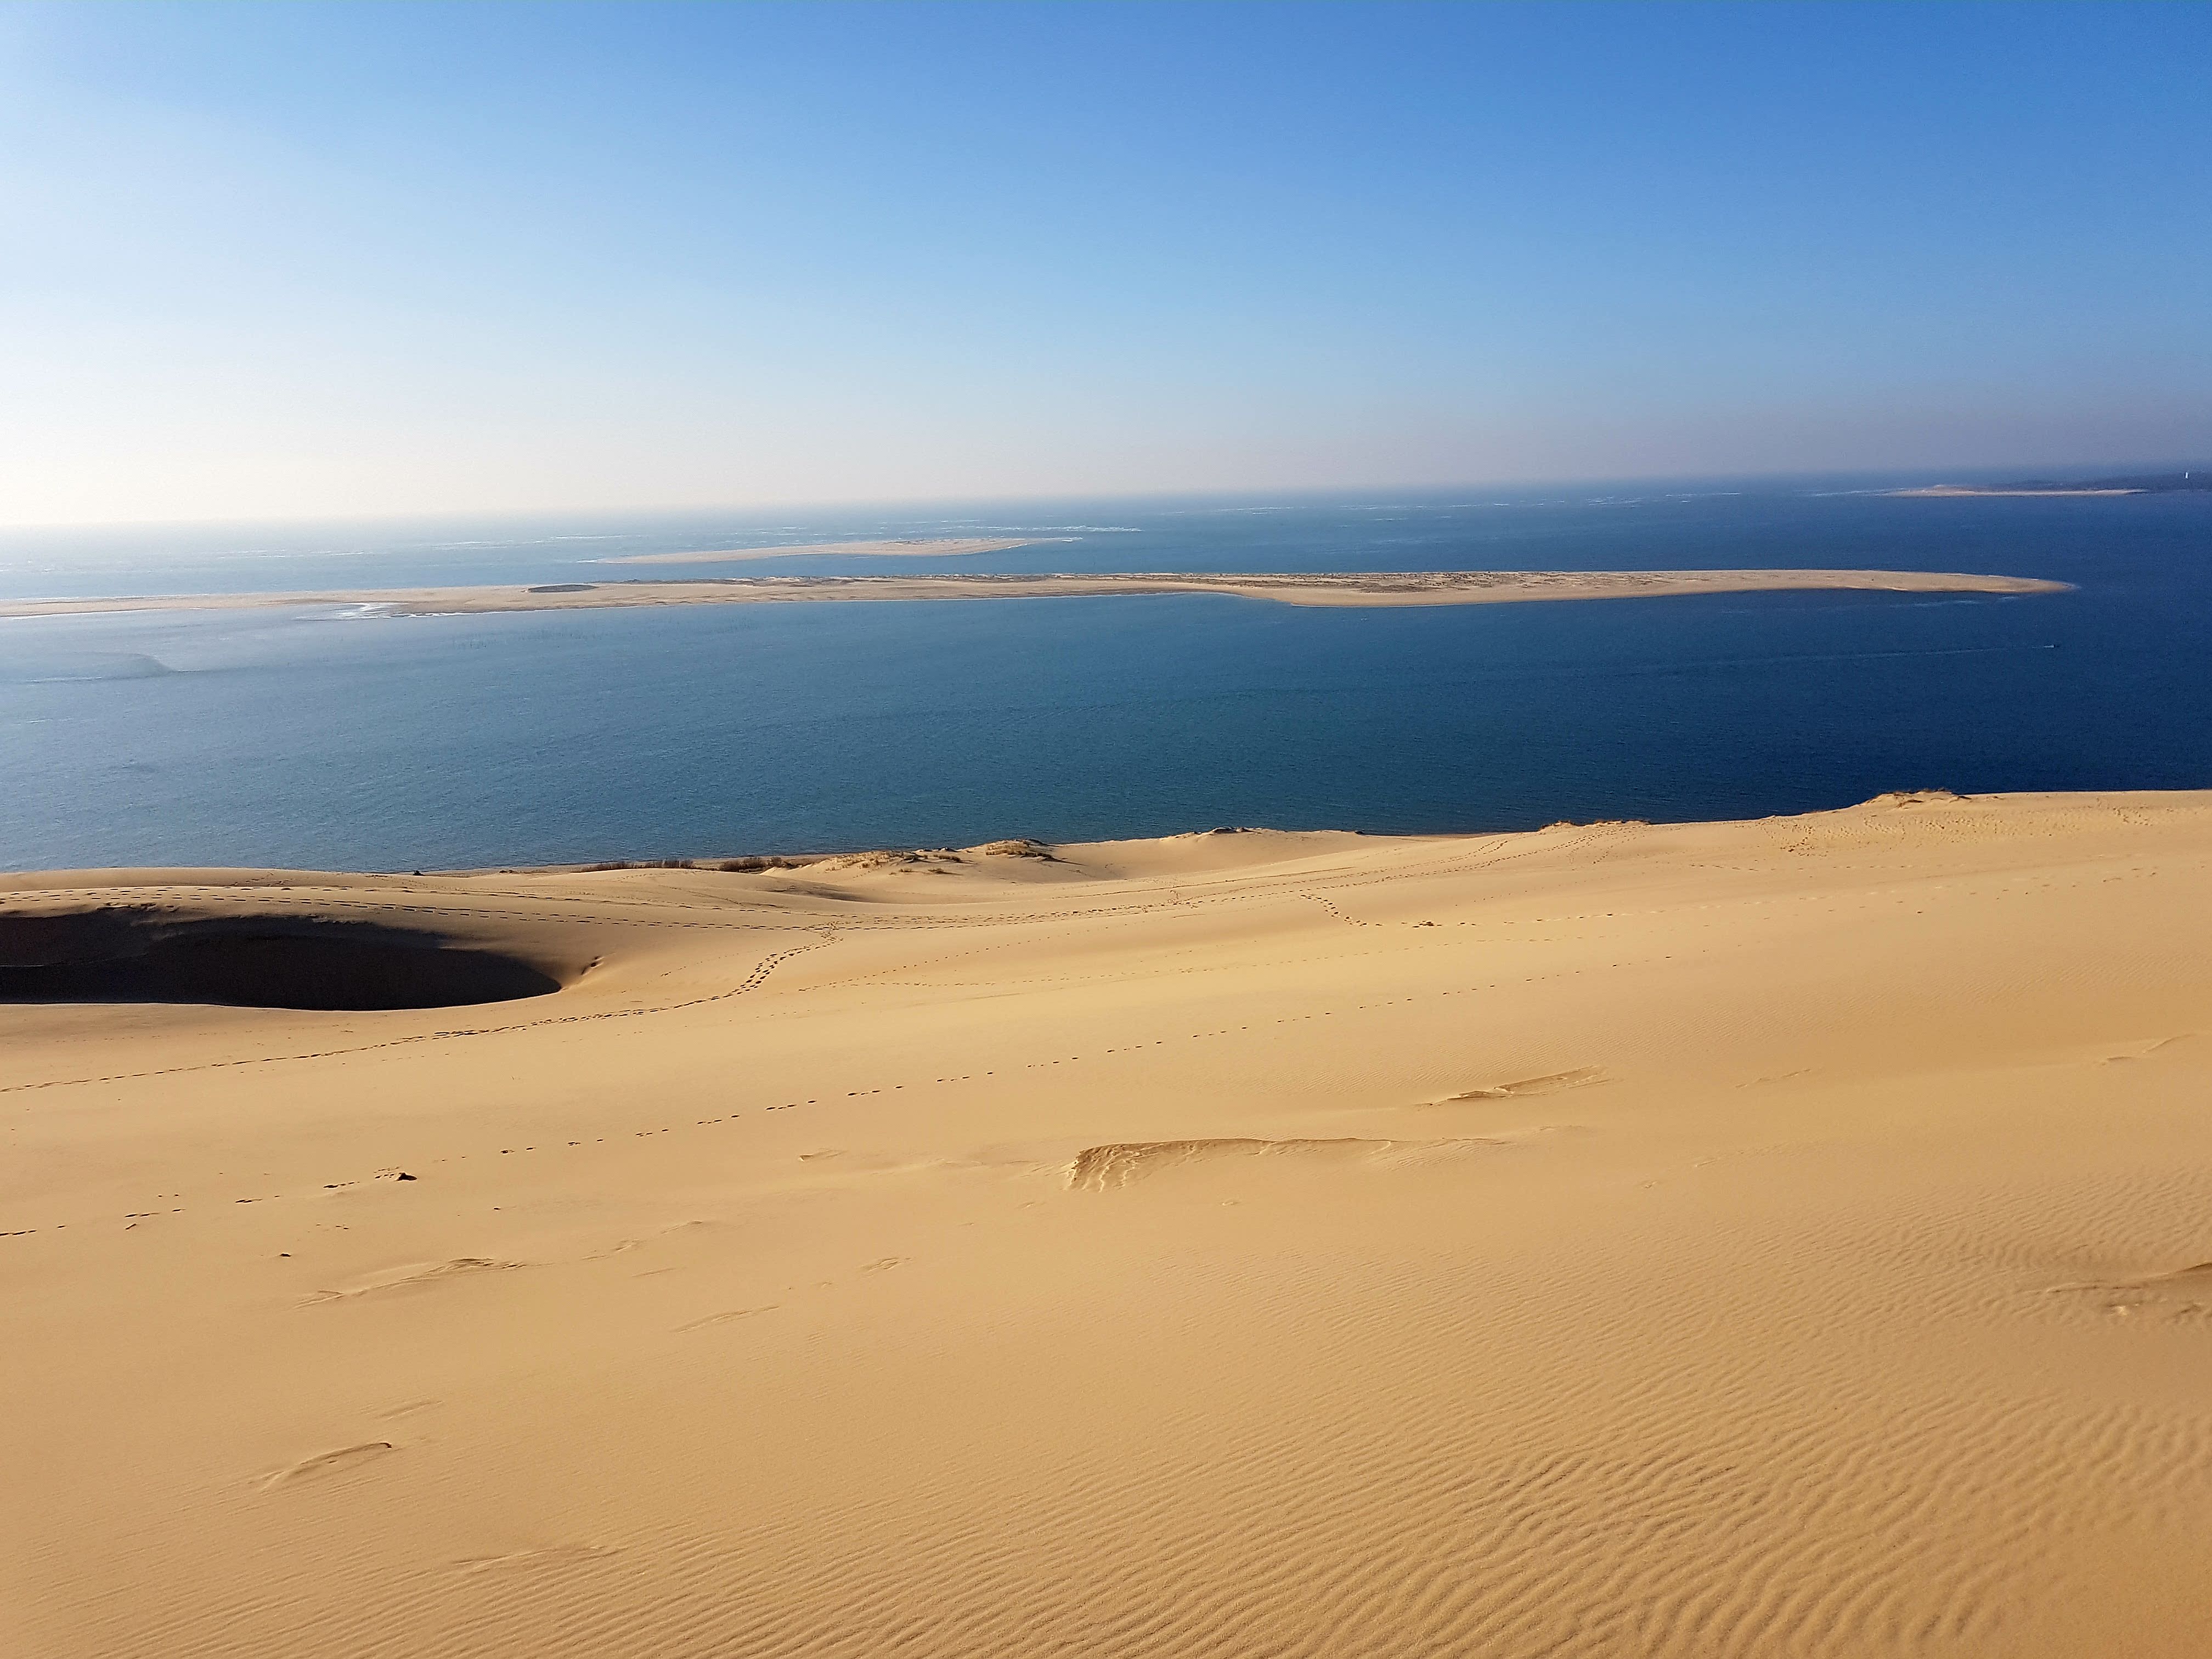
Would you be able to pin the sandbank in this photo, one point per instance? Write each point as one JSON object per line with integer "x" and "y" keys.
{"x": 910, "y": 547}
{"x": 1364, "y": 589}
{"x": 1969, "y": 489}
{"x": 1767, "y": 1239}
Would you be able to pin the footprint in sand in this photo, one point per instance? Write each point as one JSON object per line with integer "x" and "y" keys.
{"x": 1110, "y": 1167}
{"x": 2184, "y": 1294}
{"x": 327, "y": 1463}
{"x": 415, "y": 1278}
{"x": 1582, "y": 1077}
{"x": 2122, "y": 1052}
{"x": 724, "y": 1318}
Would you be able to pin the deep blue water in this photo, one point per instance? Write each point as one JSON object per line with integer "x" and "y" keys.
{"x": 302, "y": 737}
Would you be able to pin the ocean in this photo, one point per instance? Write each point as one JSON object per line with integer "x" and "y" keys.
{"x": 314, "y": 738}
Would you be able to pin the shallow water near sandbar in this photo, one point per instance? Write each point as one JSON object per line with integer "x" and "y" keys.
{"x": 319, "y": 737}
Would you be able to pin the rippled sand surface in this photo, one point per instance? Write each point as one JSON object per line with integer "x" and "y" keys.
{"x": 1786, "y": 1237}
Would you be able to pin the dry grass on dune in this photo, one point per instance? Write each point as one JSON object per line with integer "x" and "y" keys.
{"x": 1773, "y": 1238}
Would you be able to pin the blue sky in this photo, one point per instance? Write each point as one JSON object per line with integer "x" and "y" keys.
{"x": 334, "y": 259}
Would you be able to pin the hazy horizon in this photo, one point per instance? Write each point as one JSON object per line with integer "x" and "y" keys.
{"x": 1417, "y": 493}
{"x": 298, "y": 264}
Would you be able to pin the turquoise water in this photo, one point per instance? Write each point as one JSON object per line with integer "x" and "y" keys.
{"x": 309, "y": 737}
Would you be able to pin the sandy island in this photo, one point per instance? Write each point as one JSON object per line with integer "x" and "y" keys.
{"x": 1368, "y": 589}
{"x": 911, "y": 547}
{"x": 1969, "y": 489}
{"x": 1776, "y": 1238}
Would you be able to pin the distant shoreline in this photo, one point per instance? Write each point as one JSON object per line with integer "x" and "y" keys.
{"x": 905, "y": 547}
{"x": 1969, "y": 489}
{"x": 1349, "y": 590}
{"x": 2190, "y": 481}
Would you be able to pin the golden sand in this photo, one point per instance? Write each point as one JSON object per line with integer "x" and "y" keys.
{"x": 1361, "y": 589}
{"x": 1770, "y": 1238}
{"x": 908, "y": 547}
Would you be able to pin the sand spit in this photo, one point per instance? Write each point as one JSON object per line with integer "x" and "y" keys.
{"x": 1969, "y": 489}
{"x": 1702, "y": 1241}
{"x": 910, "y": 547}
{"x": 1400, "y": 588}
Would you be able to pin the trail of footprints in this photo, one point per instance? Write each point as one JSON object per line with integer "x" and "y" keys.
{"x": 752, "y": 981}
{"x": 829, "y": 934}
{"x": 397, "y": 1175}
{"x": 759, "y": 977}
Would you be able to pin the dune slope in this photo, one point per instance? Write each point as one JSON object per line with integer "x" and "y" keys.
{"x": 1790, "y": 1238}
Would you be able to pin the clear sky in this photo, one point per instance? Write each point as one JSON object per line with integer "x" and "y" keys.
{"x": 335, "y": 259}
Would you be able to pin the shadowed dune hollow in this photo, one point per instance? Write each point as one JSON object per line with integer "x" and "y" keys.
{"x": 123, "y": 955}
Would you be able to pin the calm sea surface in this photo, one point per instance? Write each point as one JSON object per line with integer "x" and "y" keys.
{"x": 312, "y": 738}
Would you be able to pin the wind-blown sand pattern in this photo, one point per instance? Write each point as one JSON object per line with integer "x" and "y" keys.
{"x": 909, "y": 547}
{"x": 1355, "y": 589}
{"x": 1777, "y": 1238}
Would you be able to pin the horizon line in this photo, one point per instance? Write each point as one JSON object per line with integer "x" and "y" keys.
{"x": 885, "y": 503}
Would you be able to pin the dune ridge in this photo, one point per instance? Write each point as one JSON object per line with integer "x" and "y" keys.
{"x": 1786, "y": 1237}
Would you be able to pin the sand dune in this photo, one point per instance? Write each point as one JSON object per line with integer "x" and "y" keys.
{"x": 1358, "y": 589}
{"x": 1786, "y": 1237}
